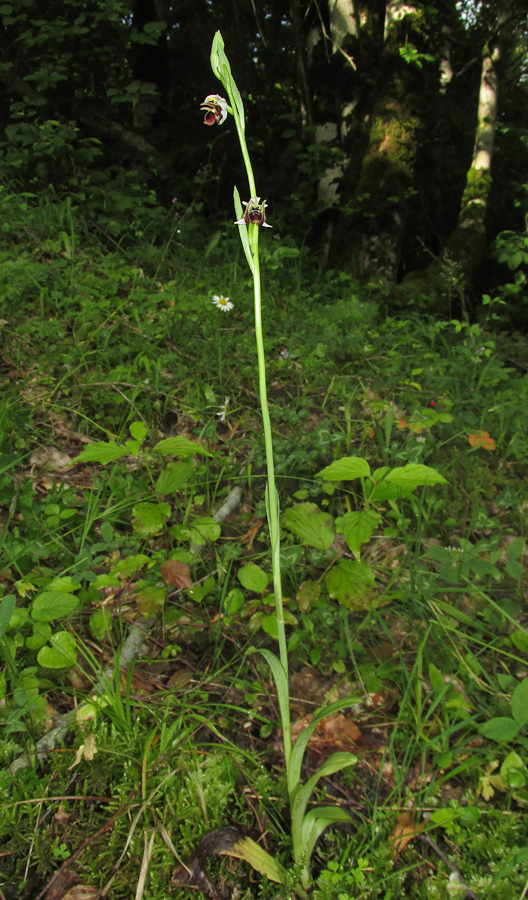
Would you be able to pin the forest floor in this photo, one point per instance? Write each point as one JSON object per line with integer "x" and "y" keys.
{"x": 134, "y": 598}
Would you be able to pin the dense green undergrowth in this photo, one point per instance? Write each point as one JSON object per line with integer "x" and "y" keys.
{"x": 128, "y": 414}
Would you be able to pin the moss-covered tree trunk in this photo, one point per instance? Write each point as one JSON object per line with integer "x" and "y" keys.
{"x": 457, "y": 267}
{"x": 395, "y": 59}
{"x": 468, "y": 241}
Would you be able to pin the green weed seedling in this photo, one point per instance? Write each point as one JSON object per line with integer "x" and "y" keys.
{"x": 347, "y": 579}
{"x": 512, "y": 774}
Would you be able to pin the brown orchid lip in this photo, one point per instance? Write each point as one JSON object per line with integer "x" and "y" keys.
{"x": 254, "y": 213}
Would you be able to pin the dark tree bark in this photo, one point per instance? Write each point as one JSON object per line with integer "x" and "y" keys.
{"x": 372, "y": 230}
{"x": 456, "y": 269}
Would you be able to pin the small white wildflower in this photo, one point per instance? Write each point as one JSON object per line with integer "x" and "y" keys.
{"x": 223, "y": 303}
{"x": 420, "y": 439}
{"x": 455, "y": 549}
{"x": 223, "y": 410}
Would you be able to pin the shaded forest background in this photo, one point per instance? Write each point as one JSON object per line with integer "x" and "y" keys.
{"x": 390, "y": 137}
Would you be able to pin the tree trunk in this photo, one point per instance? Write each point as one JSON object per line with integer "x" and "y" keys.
{"x": 456, "y": 269}
{"x": 394, "y": 46}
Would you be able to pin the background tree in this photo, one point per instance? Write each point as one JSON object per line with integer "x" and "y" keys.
{"x": 369, "y": 134}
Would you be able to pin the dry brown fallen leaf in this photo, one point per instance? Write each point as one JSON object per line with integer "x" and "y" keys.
{"x": 80, "y": 892}
{"x": 177, "y": 573}
{"x": 334, "y": 732}
{"x": 405, "y": 830}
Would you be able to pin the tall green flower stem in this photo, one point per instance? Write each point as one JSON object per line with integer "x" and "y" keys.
{"x": 249, "y": 234}
{"x": 306, "y": 825}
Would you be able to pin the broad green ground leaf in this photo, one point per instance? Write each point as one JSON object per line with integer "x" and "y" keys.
{"x": 308, "y": 594}
{"x": 513, "y": 552}
{"x": 180, "y": 532}
{"x": 129, "y": 565}
{"x": 18, "y": 619}
{"x": 150, "y": 599}
{"x": 269, "y": 623}
{"x": 519, "y": 703}
{"x": 520, "y": 639}
{"x": 174, "y": 477}
{"x": 253, "y": 578}
{"x": 357, "y": 528}
{"x": 312, "y": 526}
{"x": 62, "y": 654}
{"x": 201, "y": 589}
{"x": 351, "y": 583}
{"x": 139, "y": 431}
{"x": 179, "y": 446}
{"x": 384, "y": 490}
{"x": 414, "y": 474}
{"x": 346, "y": 469}
{"x": 133, "y": 447}
{"x": 513, "y": 770}
{"x": 435, "y": 677}
{"x": 398, "y": 483}
{"x": 53, "y": 605}
{"x": 501, "y": 729}
{"x": 233, "y": 602}
{"x": 63, "y": 583}
{"x": 100, "y": 623}
{"x": 41, "y": 635}
{"x": 102, "y": 452}
{"x": 150, "y": 518}
{"x": 204, "y": 528}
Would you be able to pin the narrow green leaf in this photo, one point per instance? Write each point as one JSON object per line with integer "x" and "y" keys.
{"x": 515, "y": 859}
{"x": 281, "y": 683}
{"x": 302, "y": 793}
{"x": 242, "y": 230}
{"x": 256, "y": 856}
{"x": 300, "y": 745}
{"x": 7, "y": 608}
{"x": 315, "y": 823}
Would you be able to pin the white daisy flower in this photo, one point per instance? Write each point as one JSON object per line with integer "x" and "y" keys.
{"x": 223, "y": 303}
{"x": 223, "y": 410}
